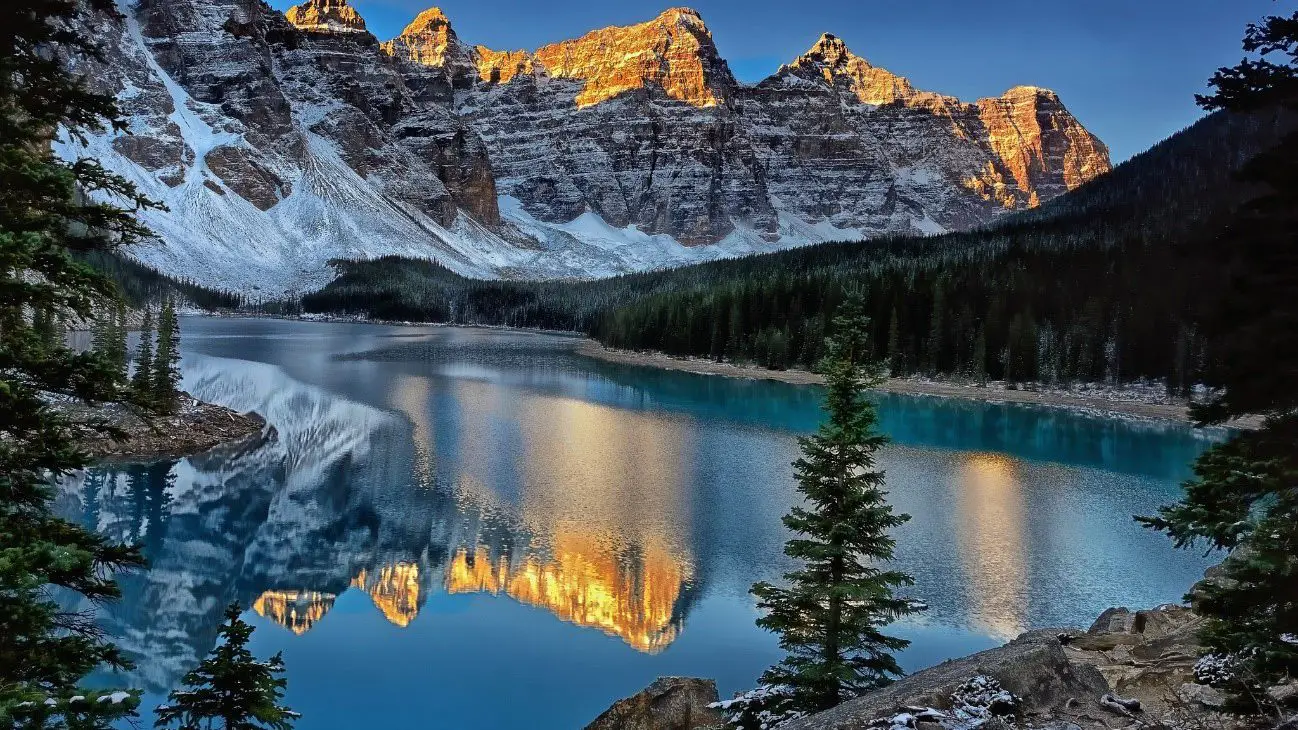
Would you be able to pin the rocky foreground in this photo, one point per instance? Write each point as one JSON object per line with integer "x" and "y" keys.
{"x": 1129, "y": 670}
{"x": 194, "y": 428}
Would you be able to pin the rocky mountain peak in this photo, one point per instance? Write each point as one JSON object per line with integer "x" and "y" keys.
{"x": 1045, "y": 148}
{"x": 681, "y": 16}
{"x": 429, "y": 40}
{"x": 830, "y": 49}
{"x": 830, "y": 59}
{"x": 430, "y": 19}
{"x": 673, "y": 52}
{"x": 326, "y": 16}
{"x": 628, "y": 148}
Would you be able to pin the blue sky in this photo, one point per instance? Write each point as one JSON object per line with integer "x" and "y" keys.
{"x": 1128, "y": 69}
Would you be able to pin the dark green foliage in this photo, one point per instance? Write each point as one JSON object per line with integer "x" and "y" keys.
{"x": 230, "y": 689}
{"x": 165, "y": 385}
{"x": 141, "y": 286}
{"x": 108, "y": 336}
{"x": 1116, "y": 273}
{"x": 117, "y": 352}
{"x": 44, "y": 650}
{"x": 831, "y": 614}
{"x": 142, "y": 380}
{"x": 1244, "y": 496}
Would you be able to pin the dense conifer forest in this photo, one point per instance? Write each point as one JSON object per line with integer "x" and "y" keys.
{"x": 1111, "y": 282}
{"x": 140, "y": 285}
{"x": 1108, "y": 283}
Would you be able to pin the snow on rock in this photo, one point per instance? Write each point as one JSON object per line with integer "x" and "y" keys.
{"x": 280, "y": 143}
{"x": 766, "y": 707}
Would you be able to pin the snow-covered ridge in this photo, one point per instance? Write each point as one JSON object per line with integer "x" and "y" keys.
{"x": 277, "y": 146}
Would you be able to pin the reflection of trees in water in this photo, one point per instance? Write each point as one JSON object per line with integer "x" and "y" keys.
{"x": 1152, "y": 448}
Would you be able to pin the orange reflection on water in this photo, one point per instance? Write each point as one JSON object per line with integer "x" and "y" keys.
{"x": 394, "y": 590}
{"x": 990, "y": 527}
{"x": 296, "y": 611}
{"x": 632, "y": 597}
{"x": 413, "y": 396}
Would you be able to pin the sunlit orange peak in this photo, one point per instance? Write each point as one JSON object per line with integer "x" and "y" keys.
{"x": 296, "y": 611}
{"x": 584, "y": 587}
{"x": 395, "y": 591}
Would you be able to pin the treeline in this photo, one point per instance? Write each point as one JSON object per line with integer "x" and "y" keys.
{"x": 1110, "y": 282}
{"x": 140, "y": 285}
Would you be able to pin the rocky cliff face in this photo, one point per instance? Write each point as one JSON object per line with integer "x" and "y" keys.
{"x": 281, "y": 141}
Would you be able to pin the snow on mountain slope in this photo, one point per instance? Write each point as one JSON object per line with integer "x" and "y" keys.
{"x": 277, "y": 147}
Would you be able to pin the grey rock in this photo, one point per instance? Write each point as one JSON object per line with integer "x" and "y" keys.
{"x": 1034, "y": 667}
{"x": 407, "y": 147}
{"x": 670, "y": 703}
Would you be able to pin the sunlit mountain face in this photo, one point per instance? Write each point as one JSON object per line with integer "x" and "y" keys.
{"x": 633, "y": 597}
{"x": 394, "y": 589}
{"x": 296, "y": 611}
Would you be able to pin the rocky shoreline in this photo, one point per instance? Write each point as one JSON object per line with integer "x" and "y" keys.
{"x": 195, "y": 427}
{"x": 1112, "y": 402}
{"x": 1131, "y": 669}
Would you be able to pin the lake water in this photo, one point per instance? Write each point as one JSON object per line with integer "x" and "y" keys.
{"x": 458, "y": 528}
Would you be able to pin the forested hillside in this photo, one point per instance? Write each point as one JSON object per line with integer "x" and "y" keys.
{"x": 1107, "y": 283}
{"x": 140, "y": 285}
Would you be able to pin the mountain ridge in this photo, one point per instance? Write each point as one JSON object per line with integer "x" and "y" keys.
{"x": 281, "y": 141}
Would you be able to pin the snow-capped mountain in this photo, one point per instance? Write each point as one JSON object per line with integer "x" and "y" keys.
{"x": 281, "y": 141}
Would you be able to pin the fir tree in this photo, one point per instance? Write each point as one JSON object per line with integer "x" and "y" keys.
{"x": 894, "y": 344}
{"x": 141, "y": 381}
{"x": 45, "y": 650}
{"x": 231, "y": 689}
{"x": 979, "y": 365}
{"x": 48, "y": 328}
{"x": 1244, "y": 495}
{"x": 831, "y": 614}
{"x": 117, "y": 350}
{"x": 166, "y": 362}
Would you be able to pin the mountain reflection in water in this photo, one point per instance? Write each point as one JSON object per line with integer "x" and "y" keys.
{"x": 439, "y": 512}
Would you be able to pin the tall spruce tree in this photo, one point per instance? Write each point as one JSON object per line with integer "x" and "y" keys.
{"x": 142, "y": 379}
{"x": 117, "y": 349}
{"x": 831, "y": 614}
{"x": 231, "y": 689}
{"x": 166, "y": 361}
{"x": 45, "y": 650}
{"x": 1244, "y": 495}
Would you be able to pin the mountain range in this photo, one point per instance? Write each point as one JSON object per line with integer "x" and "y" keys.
{"x": 280, "y": 141}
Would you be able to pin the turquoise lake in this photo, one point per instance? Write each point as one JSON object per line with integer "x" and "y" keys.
{"x": 464, "y": 528}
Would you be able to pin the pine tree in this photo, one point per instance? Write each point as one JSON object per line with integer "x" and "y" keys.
{"x": 117, "y": 350}
{"x": 45, "y": 650}
{"x": 933, "y": 344}
{"x": 231, "y": 689}
{"x": 894, "y": 344}
{"x": 47, "y": 327}
{"x": 1244, "y": 495}
{"x": 166, "y": 362}
{"x": 979, "y": 366}
{"x": 141, "y": 381}
{"x": 831, "y": 614}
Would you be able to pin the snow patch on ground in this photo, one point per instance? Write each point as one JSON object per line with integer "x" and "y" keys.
{"x": 209, "y": 234}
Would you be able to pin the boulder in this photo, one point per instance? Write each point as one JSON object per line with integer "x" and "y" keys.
{"x": 1053, "y": 691}
{"x": 670, "y": 703}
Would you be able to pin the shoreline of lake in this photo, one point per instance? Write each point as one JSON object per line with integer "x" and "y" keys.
{"x": 1108, "y": 403}
{"x": 196, "y": 427}
{"x": 1102, "y": 401}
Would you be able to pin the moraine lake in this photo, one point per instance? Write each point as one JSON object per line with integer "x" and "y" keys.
{"x": 462, "y": 528}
